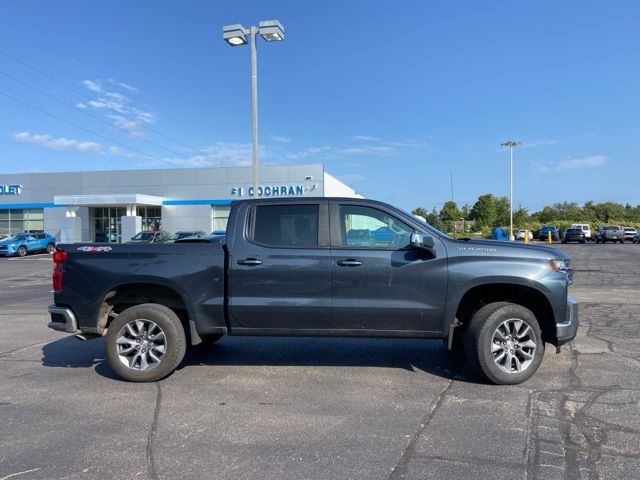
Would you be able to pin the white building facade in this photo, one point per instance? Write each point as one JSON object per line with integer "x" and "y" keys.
{"x": 114, "y": 205}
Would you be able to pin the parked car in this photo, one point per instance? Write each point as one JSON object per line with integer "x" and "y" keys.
{"x": 586, "y": 228}
{"x": 636, "y": 237}
{"x": 24, "y": 243}
{"x": 287, "y": 268}
{"x": 544, "y": 233}
{"x": 573, "y": 235}
{"x": 610, "y": 233}
{"x": 520, "y": 234}
{"x": 185, "y": 234}
{"x": 150, "y": 237}
{"x": 629, "y": 233}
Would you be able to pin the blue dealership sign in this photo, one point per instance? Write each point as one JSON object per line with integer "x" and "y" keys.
{"x": 10, "y": 189}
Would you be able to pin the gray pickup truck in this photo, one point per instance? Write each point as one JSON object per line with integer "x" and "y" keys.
{"x": 317, "y": 267}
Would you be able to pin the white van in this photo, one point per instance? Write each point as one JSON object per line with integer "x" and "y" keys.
{"x": 585, "y": 228}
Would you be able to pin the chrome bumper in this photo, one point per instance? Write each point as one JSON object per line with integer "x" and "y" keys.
{"x": 567, "y": 330}
{"x": 62, "y": 319}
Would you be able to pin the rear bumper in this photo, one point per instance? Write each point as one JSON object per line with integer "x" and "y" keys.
{"x": 567, "y": 330}
{"x": 62, "y": 319}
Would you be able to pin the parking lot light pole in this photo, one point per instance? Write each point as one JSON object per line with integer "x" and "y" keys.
{"x": 236, "y": 35}
{"x": 511, "y": 144}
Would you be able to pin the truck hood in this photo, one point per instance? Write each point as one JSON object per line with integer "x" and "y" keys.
{"x": 512, "y": 248}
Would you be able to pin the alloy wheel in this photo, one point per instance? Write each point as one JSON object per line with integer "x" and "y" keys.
{"x": 141, "y": 344}
{"x": 513, "y": 345}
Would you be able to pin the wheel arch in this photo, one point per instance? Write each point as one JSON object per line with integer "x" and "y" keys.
{"x": 478, "y": 295}
{"x": 138, "y": 291}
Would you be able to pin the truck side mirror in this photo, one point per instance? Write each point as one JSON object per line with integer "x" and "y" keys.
{"x": 422, "y": 241}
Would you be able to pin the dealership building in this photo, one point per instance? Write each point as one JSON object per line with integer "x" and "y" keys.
{"x": 114, "y": 205}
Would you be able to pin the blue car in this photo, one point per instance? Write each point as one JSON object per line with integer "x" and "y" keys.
{"x": 544, "y": 231}
{"x": 24, "y": 243}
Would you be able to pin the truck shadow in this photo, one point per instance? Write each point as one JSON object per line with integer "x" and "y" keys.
{"x": 417, "y": 355}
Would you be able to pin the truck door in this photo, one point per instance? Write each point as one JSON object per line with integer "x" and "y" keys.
{"x": 280, "y": 268}
{"x": 378, "y": 281}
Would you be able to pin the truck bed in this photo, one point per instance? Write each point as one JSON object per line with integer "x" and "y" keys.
{"x": 194, "y": 271}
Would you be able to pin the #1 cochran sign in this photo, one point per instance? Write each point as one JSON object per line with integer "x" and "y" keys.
{"x": 10, "y": 189}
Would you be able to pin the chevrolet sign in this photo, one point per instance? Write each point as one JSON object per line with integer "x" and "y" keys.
{"x": 10, "y": 189}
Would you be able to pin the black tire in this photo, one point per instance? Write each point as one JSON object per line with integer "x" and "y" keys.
{"x": 50, "y": 248}
{"x": 479, "y": 341}
{"x": 583, "y": 241}
{"x": 22, "y": 251}
{"x": 175, "y": 343}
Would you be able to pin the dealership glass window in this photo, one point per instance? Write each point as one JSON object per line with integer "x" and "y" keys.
{"x": 20, "y": 220}
{"x": 220, "y": 217}
{"x": 286, "y": 225}
{"x": 151, "y": 217}
{"x": 365, "y": 227}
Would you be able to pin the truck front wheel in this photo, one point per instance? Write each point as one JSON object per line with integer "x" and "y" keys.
{"x": 503, "y": 343}
{"x": 145, "y": 343}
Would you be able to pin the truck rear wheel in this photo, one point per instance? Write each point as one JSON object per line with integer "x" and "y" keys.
{"x": 145, "y": 343}
{"x": 504, "y": 343}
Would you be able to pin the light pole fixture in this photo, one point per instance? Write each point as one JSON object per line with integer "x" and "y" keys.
{"x": 511, "y": 144}
{"x": 236, "y": 35}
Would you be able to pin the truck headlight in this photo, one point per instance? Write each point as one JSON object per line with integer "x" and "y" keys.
{"x": 559, "y": 264}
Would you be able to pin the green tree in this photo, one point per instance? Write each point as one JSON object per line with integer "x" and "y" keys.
{"x": 502, "y": 212}
{"x": 420, "y": 212}
{"x": 484, "y": 210}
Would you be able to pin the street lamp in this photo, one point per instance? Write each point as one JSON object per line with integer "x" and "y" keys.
{"x": 236, "y": 35}
{"x": 511, "y": 144}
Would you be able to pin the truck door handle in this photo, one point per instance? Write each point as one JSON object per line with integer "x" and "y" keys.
{"x": 250, "y": 262}
{"x": 349, "y": 263}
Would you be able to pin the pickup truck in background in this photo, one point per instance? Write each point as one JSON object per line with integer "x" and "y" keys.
{"x": 317, "y": 267}
{"x": 610, "y": 233}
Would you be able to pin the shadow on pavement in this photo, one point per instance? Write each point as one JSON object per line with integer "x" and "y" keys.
{"x": 418, "y": 355}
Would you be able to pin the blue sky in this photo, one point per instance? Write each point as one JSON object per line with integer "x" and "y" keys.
{"x": 390, "y": 96}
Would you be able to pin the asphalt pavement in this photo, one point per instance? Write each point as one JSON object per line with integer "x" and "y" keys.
{"x": 324, "y": 408}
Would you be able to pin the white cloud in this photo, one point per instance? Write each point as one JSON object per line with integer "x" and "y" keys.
{"x": 48, "y": 141}
{"x": 306, "y": 153}
{"x": 126, "y": 86}
{"x": 570, "y": 164}
{"x": 220, "y": 154}
{"x": 121, "y": 152}
{"x": 364, "y": 138}
{"x": 368, "y": 149}
{"x": 94, "y": 86}
{"x": 125, "y": 116}
{"x": 280, "y": 139}
{"x": 539, "y": 143}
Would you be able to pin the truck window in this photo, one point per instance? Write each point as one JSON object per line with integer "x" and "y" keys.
{"x": 366, "y": 227}
{"x": 286, "y": 225}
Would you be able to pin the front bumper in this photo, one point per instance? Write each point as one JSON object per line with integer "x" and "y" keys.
{"x": 62, "y": 319}
{"x": 567, "y": 330}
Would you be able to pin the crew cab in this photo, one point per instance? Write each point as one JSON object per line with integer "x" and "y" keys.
{"x": 304, "y": 267}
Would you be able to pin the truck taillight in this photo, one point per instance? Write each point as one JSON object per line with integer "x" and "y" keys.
{"x": 59, "y": 257}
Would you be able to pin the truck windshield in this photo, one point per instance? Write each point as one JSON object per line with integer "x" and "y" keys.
{"x": 143, "y": 236}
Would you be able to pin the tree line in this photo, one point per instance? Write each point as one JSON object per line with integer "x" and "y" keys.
{"x": 491, "y": 211}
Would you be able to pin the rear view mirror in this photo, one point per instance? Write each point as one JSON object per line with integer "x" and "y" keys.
{"x": 422, "y": 241}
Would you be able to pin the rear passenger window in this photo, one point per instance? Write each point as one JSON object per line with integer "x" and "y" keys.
{"x": 286, "y": 225}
